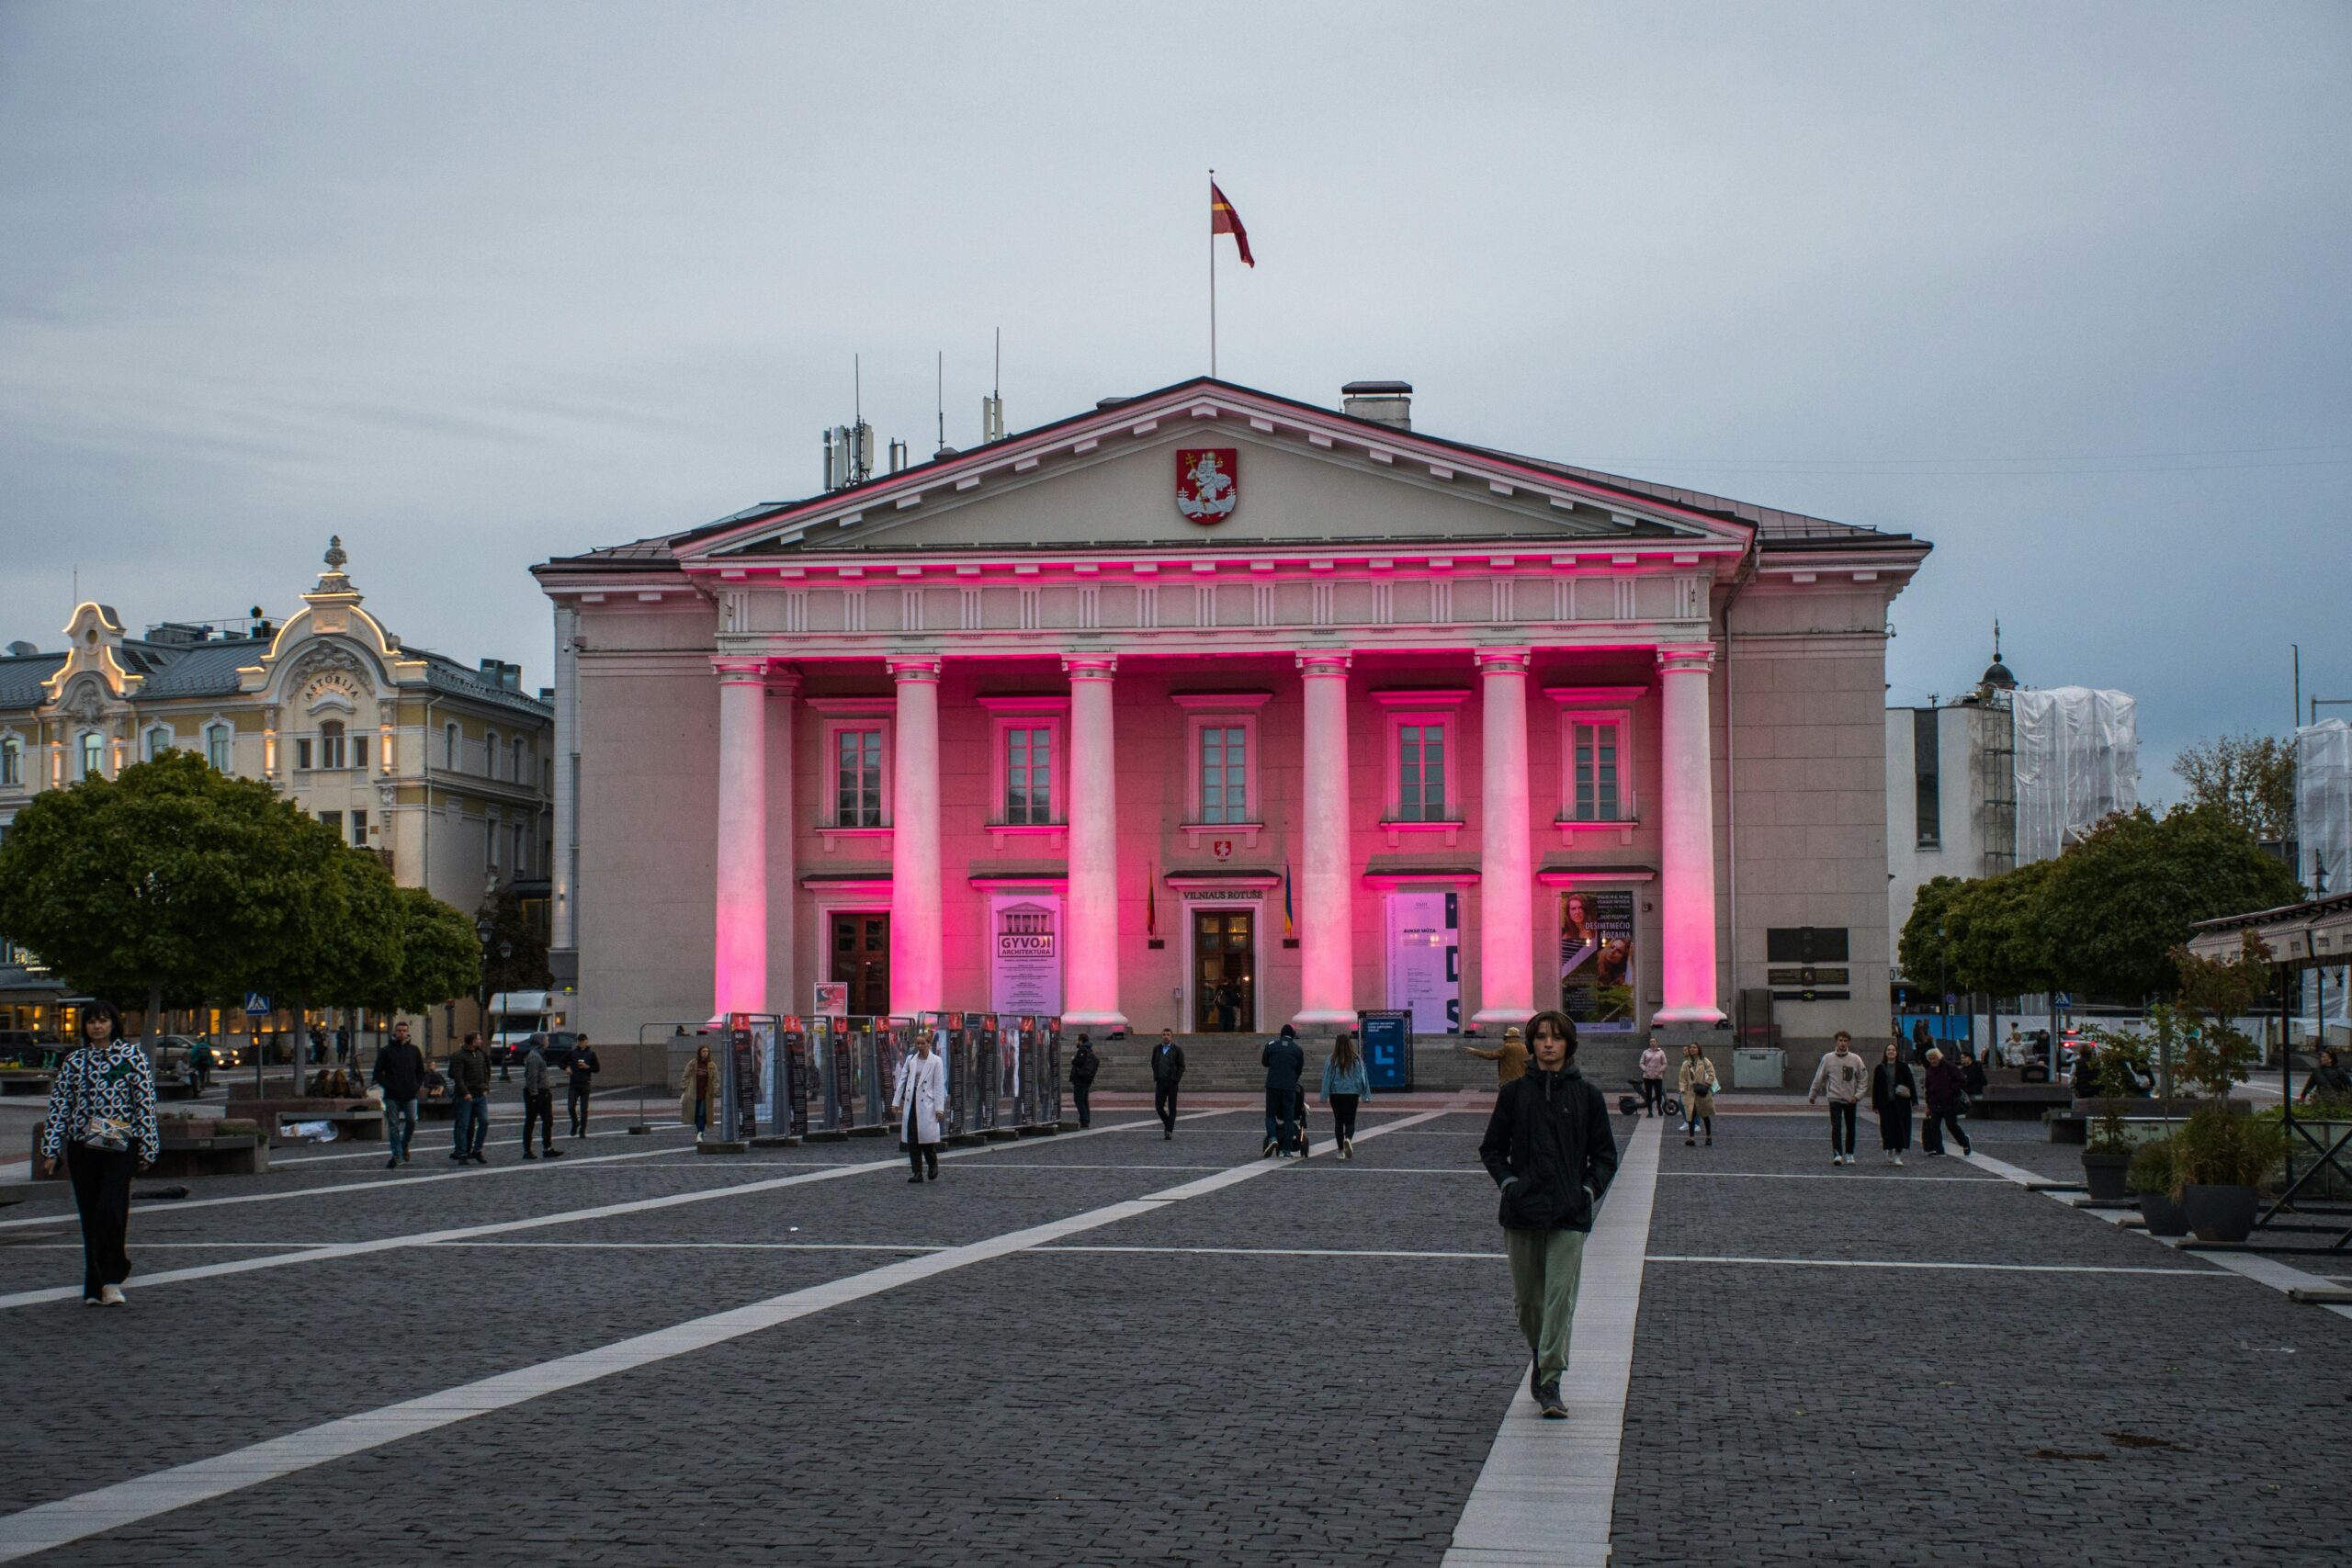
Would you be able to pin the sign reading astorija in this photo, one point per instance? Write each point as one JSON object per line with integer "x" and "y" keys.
{"x": 1025, "y": 953}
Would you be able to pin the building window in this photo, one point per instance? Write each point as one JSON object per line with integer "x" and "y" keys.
{"x": 1221, "y": 758}
{"x": 93, "y": 755}
{"x": 333, "y": 819}
{"x": 1028, "y": 772}
{"x": 490, "y": 841}
{"x": 12, "y": 761}
{"x": 359, "y": 830}
{"x": 490, "y": 755}
{"x": 1225, "y": 773}
{"x": 1596, "y": 757}
{"x": 159, "y": 740}
{"x": 522, "y": 860}
{"x": 520, "y": 774}
{"x": 217, "y": 741}
{"x": 1927, "y": 773}
{"x": 330, "y": 752}
{"x": 450, "y": 748}
{"x": 302, "y": 755}
{"x": 1420, "y": 770}
{"x": 858, "y": 777}
{"x": 359, "y": 752}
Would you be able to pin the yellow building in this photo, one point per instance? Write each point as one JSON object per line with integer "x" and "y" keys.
{"x": 444, "y": 772}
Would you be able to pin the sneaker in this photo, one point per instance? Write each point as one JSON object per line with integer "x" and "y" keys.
{"x": 111, "y": 1295}
{"x": 915, "y": 1181}
{"x": 1167, "y": 1135}
{"x": 1898, "y": 1159}
{"x": 393, "y": 1163}
{"x": 529, "y": 1154}
{"x": 555, "y": 1153}
{"x": 481, "y": 1159}
{"x": 460, "y": 1158}
{"x": 1267, "y": 1153}
{"x": 1837, "y": 1159}
{"x": 1689, "y": 1143}
{"x": 1710, "y": 1140}
{"x": 1547, "y": 1398}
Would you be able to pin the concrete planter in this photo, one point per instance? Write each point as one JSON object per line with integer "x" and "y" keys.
{"x": 2221, "y": 1214}
{"x": 2103, "y": 1173}
{"x": 2164, "y": 1217}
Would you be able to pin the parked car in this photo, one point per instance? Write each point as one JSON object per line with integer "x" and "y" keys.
{"x": 22, "y": 1050}
{"x": 558, "y": 1048}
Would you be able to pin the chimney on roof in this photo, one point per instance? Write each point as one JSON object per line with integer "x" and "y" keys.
{"x": 1383, "y": 403}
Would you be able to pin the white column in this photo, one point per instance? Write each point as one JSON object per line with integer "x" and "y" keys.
{"x": 918, "y": 919}
{"x": 1688, "y": 833}
{"x": 1091, "y": 977}
{"x": 1506, "y": 853}
{"x": 783, "y": 996}
{"x": 739, "y": 958}
{"x": 1326, "y": 901}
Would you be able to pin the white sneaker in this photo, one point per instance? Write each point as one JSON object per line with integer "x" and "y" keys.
{"x": 1837, "y": 1159}
{"x": 1898, "y": 1159}
{"x": 111, "y": 1295}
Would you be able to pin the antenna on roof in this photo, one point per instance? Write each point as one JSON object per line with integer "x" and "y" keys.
{"x": 993, "y": 406}
{"x": 939, "y": 405}
{"x": 849, "y": 448}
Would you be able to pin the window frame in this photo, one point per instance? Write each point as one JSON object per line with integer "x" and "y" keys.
{"x": 1204, "y": 711}
{"x": 835, "y": 715}
{"x": 490, "y": 738}
{"x": 12, "y": 761}
{"x": 170, "y": 736}
{"x": 1420, "y": 706}
{"x": 333, "y": 752}
{"x": 1574, "y": 705}
{"x": 1048, "y": 711}
{"x": 358, "y": 820}
{"x": 220, "y": 732}
{"x": 452, "y": 741}
{"x": 84, "y": 743}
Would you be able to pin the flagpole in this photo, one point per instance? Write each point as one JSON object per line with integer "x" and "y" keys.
{"x": 1211, "y": 275}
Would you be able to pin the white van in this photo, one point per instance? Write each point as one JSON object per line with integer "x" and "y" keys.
{"x": 515, "y": 1016}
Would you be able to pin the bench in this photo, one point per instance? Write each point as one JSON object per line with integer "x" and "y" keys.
{"x": 358, "y": 1125}
{"x": 2019, "y": 1101}
{"x": 23, "y": 1080}
{"x": 229, "y": 1154}
{"x": 2073, "y": 1126}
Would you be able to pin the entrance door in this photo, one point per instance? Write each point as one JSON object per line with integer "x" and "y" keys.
{"x": 1225, "y": 971}
{"x": 862, "y": 960}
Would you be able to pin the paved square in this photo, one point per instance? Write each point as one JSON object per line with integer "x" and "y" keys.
{"x": 1113, "y": 1348}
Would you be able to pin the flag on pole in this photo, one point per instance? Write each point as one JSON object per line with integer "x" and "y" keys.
{"x": 1287, "y": 925}
{"x": 1150, "y": 903}
{"x": 1222, "y": 220}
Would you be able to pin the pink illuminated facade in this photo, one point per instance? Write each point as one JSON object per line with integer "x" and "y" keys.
{"x": 1215, "y": 710}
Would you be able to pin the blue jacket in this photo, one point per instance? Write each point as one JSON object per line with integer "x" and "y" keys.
{"x": 1352, "y": 1080}
{"x": 1285, "y": 1063}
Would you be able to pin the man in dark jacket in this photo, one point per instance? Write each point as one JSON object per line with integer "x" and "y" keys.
{"x": 399, "y": 1073}
{"x": 538, "y": 1100}
{"x": 1549, "y": 1148}
{"x": 584, "y": 1067}
{"x": 470, "y": 1091}
{"x": 1082, "y": 1068}
{"x": 1284, "y": 1064}
{"x": 1167, "y": 1072}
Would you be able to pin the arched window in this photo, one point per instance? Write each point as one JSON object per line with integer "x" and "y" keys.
{"x": 159, "y": 740}
{"x": 490, "y": 755}
{"x": 518, "y": 768}
{"x": 331, "y": 744}
{"x": 93, "y": 755}
{"x": 449, "y": 747}
{"x": 12, "y": 761}
{"x": 218, "y": 738}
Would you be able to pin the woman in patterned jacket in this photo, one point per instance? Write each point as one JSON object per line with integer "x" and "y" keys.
{"x": 102, "y": 1119}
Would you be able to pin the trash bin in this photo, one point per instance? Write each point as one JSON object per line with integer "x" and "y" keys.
{"x": 1757, "y": 1066}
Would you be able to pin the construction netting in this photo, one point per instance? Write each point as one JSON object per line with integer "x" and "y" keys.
{"x": 2077, "y": 762}
{"x": 2323, "y": 840}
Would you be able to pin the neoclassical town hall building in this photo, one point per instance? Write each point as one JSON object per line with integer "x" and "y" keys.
{"x": 1211, "y": 709}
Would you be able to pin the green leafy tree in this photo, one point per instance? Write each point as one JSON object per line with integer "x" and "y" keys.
{"x": 2115, "y": 904}
{"x": 2214, "y": 993}
{"x": 1994, "y": 930}
{"x": 2249, "y": 779}
{"x": 1924, "y": 949}
{"x": 439, "y": 956}
{"x": 343, "y": 930}
{"x": 170, "y": 882}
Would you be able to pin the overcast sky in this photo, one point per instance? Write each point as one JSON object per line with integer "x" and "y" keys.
{"x": 2060, "y": 288}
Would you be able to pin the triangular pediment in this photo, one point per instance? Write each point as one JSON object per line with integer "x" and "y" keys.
{"x": 1300, "y": 477}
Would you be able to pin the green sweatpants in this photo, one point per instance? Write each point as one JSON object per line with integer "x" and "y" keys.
{"x": 1545, "y": 1266}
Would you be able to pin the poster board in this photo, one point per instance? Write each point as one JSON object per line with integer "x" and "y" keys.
{"x": 1597, "y": 957}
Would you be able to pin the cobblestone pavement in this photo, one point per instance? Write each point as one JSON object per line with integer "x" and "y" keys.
{"x": 1308, "y": 1367}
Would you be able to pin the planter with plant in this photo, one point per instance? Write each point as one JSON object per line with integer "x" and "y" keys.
{"x": 2106, "y": 1142}
{"x": 2150, "y": 1180}
{"x": 2220, "y": 1163}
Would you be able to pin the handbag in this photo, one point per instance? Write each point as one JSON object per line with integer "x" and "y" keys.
{"x": 109, "y": 1134}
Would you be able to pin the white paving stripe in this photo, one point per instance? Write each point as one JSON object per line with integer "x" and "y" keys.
{"x": 1907, "y": 1263}
{"x": 500, "y": 1227}
{"x": 107, "y": 1508}
{"x": 1545, "y": 1498}
{"x": 1849, "y": 1174}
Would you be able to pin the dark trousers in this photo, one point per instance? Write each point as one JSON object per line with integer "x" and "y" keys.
{"x": 1163, "y": 1104}
{"x": 1931, "y": 1136}
{"x": 1652, "y": 1096}
{"x": 1843, "y": 1117}
{"x": 576, "y": 1104}
{"x": 538, "y": 1111}
{"x": 102, "y": 1196}
{"x": 1895, "y": 1127}
{"x": 918, "y": 1155}
{"x": 1281, "y": 1117}
{"x": 1344, "y": 1116}
{"x": 1079, "y": 1091}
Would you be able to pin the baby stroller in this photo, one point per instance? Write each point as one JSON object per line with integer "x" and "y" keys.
{"x": 1298, "y": 1116}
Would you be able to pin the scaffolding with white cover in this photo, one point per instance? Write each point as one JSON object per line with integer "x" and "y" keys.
{"x": 2077, "y": 753}
{"x": 2323, "y": 846}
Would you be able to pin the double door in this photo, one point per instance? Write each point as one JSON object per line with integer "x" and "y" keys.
{"x": 859, "y": 945}
{"x": 1225, "y": 971}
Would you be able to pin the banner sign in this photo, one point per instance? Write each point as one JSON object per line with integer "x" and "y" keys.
{"x": 1025, "y": 953}
{"x": 1386, "y": 1041}
{"x": 1597, "y": 959}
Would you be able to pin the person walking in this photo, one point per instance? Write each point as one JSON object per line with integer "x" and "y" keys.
{"x": 1697, "y": 1084}
{"x": 1082, "y": 1068}
{"x": 1166, "y": 1073}
{"x": 1551, "y": 1151}
{"x": 2328, "y": 1078}
{"x": 538, "y": 1101}
{"x": 1510, "y": 1058}
{"x": 1285, "y": 1065}
{"x": 1844, "y": 1079}
{"x": 343, "y": 1044}
{"x": 2013, "y": 1048}
{"x": 699, "y": 1089}
{"x": 1653, "y": 1077}
{"x": 1346, "y": 1085}
{"x": 199, "y": 1060}
{"x": 470, "y": 1087}
{"x": 1947, "y": 1093}
{"x": 399, "y": 1073}
{"x": 919, "y": 1100}
{"x": 584, "y": 1068}
{"x": 101, "y": 1122}
{"x": 1893, "y": 1092}
{"x": 1971, "y": 1072}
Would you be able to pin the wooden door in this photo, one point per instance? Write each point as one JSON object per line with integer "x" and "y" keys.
{"x": 861, "y": 960}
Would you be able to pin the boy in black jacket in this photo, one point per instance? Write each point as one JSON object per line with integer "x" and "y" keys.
{"x": 1549, "y": 1147}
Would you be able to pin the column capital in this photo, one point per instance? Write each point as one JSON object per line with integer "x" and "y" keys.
{"x": 740, "y": 669}
{"x": 1686, "y": 658}
{"x": 913, "y": 666}
{"x": 1502, "y": 660}
{"x": 1324, "y": 666}
{"x": 1089, "y": 666}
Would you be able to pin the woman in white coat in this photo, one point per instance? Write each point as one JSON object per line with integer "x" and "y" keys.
{"x": 921, "y": 1102}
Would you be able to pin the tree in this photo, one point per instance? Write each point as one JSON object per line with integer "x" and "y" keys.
{"x": 1994, "y": 930}
{"x": 522, "y": 966}
{"x": 2115, "y": 905}
{"x": 440, "y": 957}
{"x": 1924, "y": 949}
{"x": 170, "y": 881}
{"x": 2248, "y": 779}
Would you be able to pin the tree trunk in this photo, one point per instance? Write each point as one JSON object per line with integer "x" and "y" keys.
{"x": 154, "y": 1012}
